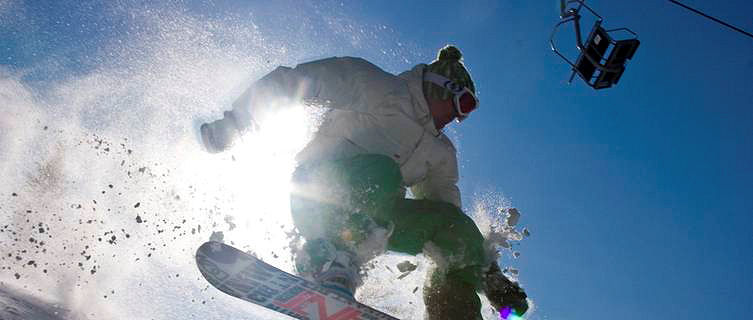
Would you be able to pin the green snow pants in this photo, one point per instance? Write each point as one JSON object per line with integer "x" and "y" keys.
{"x": 342, "y": 200}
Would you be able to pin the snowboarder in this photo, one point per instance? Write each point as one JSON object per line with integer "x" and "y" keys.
{"x": 382, "y": 133}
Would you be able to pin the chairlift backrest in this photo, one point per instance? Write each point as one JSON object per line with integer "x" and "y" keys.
{"x": 623, "y": 50}
{"x": 596, "y": 46}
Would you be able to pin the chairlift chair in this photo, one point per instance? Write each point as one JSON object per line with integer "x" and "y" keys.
{"x": 602, "y": 59}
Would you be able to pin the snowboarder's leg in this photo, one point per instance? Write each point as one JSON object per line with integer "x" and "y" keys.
{"x": 341, "y": 201}
{"x": 335, "y": 268}
{"x": 449, "y": 297}
{"x": 319, "y": 218}
{"x": 449, "y": 236}
{"x": 453, "y": 241}
{"x": 332, "y": 204}
{"x": 345, "y": 198}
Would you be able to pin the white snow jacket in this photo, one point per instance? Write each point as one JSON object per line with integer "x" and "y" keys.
{"x": 372, "y": 111}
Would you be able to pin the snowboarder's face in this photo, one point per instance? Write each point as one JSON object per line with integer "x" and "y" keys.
{"x": 442, "y": 111}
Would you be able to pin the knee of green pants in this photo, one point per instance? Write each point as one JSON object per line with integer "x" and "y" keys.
{"x": 447, "y": 228}
{"x": 375, "y": 182}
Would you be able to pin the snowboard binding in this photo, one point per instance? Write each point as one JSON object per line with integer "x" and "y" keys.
{"x": 602, "y": 59}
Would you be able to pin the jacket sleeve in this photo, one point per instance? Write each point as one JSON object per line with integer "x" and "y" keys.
{"x": 340, "y": 83}
{"x": 441, "y": 180}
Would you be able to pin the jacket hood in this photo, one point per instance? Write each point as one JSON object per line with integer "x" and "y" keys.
{"x": 414, "y": 79}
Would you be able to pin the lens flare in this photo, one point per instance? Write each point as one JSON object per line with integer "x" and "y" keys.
{"x": 507, "y": 313}
{"x": 504, "y": 313}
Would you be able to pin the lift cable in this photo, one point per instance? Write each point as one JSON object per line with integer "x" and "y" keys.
{"x": 712, "y": 18}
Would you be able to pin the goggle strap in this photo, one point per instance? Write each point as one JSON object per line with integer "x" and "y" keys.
{"x": 443, "y": 82}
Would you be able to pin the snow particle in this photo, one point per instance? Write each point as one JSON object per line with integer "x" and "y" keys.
{"x": 512, "y": 216}
{"x": 406, "y": 266}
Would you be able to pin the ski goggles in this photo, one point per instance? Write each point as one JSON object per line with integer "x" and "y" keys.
{"x": 463, "y": 98}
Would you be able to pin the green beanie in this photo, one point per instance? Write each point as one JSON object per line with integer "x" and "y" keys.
{"x": 448, "y": 64}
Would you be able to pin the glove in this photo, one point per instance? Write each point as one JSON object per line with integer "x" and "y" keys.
{"x": 219, "y": 135}
{"x": 504, "y": 295}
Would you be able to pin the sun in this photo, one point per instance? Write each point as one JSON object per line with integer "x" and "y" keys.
{"x": 254, "y": 177}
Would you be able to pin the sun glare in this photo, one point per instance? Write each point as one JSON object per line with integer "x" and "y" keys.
{"x": 265, "y": 160}
{"x": 254, "y": 177}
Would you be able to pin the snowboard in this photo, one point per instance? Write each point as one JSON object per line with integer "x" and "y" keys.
{"x": 244, "y": 276}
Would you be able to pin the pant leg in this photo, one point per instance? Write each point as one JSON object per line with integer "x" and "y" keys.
{"x": 447, "y": 229}
{"x": 344, "y": 196}
{"x": 343, "y": 199}
{"x": 375, "y": 195}
{"x": 450, "y": 289}
{"x": 448, "y": 297}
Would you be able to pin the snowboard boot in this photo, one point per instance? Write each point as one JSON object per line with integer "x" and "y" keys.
{"x": 505, "y": 296}
{"x": 219, "y": 135}
{"x": 333, "y": 269}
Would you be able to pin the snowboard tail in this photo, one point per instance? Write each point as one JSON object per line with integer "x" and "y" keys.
{"x": 244, "y": 276}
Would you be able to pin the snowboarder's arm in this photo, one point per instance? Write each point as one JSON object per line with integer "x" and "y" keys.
{"x": 341, "y": 83}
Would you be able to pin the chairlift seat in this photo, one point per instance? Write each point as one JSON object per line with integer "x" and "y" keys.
{"x": 623, "y": 50}
{"x": 602, "y": 60}
{"x": 592, "y": 58}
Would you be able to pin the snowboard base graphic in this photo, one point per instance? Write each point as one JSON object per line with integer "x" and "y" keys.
{"x": 243, "y": 276}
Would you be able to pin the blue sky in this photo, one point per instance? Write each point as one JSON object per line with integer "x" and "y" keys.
{"x": 639, "y": 197}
